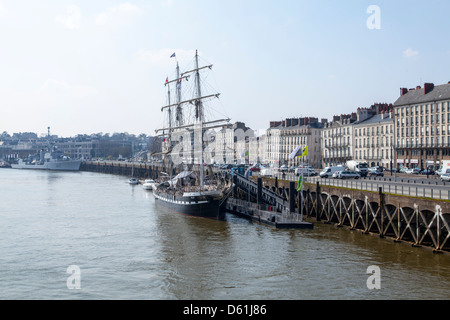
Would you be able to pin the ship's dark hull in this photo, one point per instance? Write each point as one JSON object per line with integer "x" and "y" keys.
{"x": 199, "y": 206}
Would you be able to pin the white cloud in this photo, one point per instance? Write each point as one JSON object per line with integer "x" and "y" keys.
{"x": 120, "y": 14}
{"x": 72, "y": 19}
{"x": 410, "y": 53}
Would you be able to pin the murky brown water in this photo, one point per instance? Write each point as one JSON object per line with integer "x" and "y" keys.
{"x": 127, "y": 247}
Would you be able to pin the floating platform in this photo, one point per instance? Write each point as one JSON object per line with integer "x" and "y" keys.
{"x": 274, "y": 219}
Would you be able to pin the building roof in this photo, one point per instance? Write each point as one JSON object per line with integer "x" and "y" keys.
{"x": 417, "y": 96}
{"x": 378, "y": 118}
{"x": 304, "y": 126}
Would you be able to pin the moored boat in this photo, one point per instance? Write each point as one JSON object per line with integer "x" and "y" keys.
{"x": 190, "y": 192}
{"x": 133, "y": 181}
{"x": 54, "y": 160}
{"x": 149, "y": 184}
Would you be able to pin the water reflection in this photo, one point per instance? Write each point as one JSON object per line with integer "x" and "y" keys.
{"x": 130, "y": 248}
{"x": 192, "y": 251}
{"x": 236, "y": 259}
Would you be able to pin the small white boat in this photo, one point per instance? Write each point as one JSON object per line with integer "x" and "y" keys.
{"x": 133, "y": 181}
{"x": 149, "y": 184}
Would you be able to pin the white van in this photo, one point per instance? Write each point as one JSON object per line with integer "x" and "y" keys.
{"x": 266, "y": 172}
{"x": 328, "y": 171}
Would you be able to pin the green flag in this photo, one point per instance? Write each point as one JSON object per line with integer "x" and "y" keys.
{"x": 299, "y": 183}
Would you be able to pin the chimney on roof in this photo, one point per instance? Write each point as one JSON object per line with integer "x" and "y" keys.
{"x": 428, "y": 87}
{"x": 403, "y": 91}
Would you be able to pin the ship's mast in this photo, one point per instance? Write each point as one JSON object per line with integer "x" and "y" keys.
{"x": 199, "y": 116}
{"x": 179, "y": 110}
{"x": 195, "y": 125}
{"x": 169, "y": 114}
{"x": 199, "y": 104}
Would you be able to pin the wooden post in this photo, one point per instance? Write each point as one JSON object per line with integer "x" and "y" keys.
{"x": 291, "y": 196}
{"x": 259, "y": 192}
{"x": 381, "y": 208}
{"x": 318, "y": 202}
{"x": 235, "y": 186}
{"x": 300, "y": 204}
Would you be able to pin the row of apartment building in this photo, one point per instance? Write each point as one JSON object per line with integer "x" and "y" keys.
{"x": 412, "y": 132}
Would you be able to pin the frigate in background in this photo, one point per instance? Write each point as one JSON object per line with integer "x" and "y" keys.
{"x": 48, "y": 159}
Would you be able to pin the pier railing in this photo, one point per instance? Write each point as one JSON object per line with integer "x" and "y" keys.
{"x": 266, "y": 212}
{"x": 420, "y": 221}
{"x": 405, "y": 186}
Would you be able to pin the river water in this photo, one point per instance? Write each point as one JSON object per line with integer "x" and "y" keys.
{"x": 93, "y": 236}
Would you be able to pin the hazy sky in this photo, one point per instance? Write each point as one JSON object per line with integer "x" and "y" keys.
{"x": 99, "y": 66}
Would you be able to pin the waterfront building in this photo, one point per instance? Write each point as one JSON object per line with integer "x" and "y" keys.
{"x": 422, "y": 126}
{"x": 232, "y": 145}
{"x": 273, "y": 145}
{"x": 365, "y": 136}
{"x": 78, "y": 149}
{"x": 224, "y": 152}
{"x": 373, "y": 136}
{"x": 257, "y": 149}
{"x": 337, "y": 137}
{"x": 284, "y": 136}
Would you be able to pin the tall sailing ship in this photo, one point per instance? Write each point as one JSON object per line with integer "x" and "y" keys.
{"x": 191, "y": 192}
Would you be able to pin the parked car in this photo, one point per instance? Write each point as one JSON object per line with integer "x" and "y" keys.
{"x": 307, "y": 172}
{"x": 349, "y": 175}
{"x": 413, "y": 171}
{"x": 445, "y": 177}
{"x": 376, "y": 173}
{"x": 283, "y": 168}
{"x": 427, "y": 172}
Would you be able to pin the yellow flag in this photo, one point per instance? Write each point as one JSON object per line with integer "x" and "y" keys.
{"x": 305, "y": 151}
